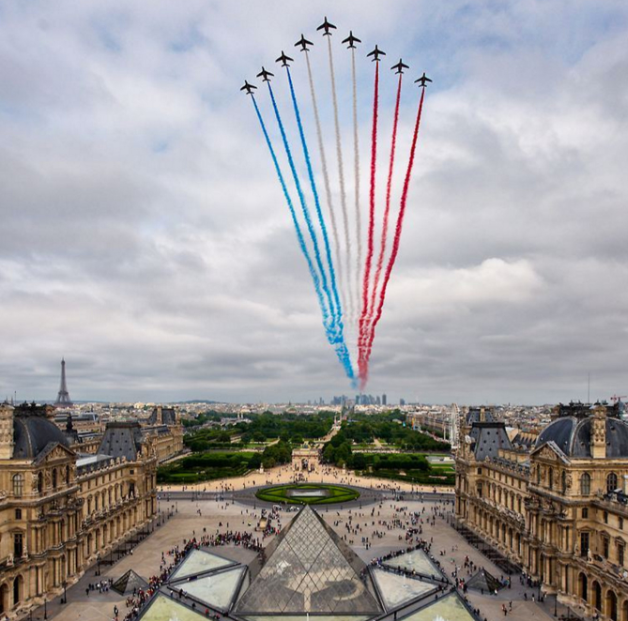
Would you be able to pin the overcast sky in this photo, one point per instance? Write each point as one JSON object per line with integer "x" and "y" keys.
{"x": 146, "y": 238}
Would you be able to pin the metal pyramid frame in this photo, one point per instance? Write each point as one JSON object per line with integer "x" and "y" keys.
{"x": 309, "y": 569}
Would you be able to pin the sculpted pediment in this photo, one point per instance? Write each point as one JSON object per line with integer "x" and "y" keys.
{"x": 550, "y": 452}
{"x": 54, "y": 452}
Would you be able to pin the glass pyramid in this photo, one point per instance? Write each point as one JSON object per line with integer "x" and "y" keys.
{"x": 310, "y": 570}
{"x": 217, "y": 590}
{"x": 396, "y": 590}
{"x": 417, "y": 561}
{"x": 449, "y": 608}
{"x": 163, "y": 608}
{"x": 198, "y": 562}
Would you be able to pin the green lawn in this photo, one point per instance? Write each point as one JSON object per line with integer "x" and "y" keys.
{"x": 278, "y": 494}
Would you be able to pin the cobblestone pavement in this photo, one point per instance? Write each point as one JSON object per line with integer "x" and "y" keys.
{"x": 192, "y": 517}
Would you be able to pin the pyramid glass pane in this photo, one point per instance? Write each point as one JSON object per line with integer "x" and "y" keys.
{"x": 417, "y": 561}
{"x": 308, "y": 573}
{"x": 163, "y": 608}
{"x": 450, "y": 608}
{"x": 198, "y": 562}
{"x": 217, "y": 590}
{"x": 396, "y": 590}
{"x": 305, "y": 618}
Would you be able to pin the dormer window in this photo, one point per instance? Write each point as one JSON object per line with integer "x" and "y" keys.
{"x": 18, "y": 485}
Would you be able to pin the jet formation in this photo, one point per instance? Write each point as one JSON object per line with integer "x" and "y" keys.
{"x": 351, "y": 40}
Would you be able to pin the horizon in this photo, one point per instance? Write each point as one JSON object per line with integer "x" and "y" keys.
{"x": 147, "y": 240}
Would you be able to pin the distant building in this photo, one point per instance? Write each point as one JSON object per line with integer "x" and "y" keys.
{"x": 384, "y": 399}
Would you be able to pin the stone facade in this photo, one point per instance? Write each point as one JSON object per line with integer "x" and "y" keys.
{"x": 559, "y": 509}
{"x": 60, "y": 510}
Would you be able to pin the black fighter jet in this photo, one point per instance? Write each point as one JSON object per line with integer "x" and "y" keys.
{"x": 326, "y": 26}
{"x": 376, "y": 54}
{"x": 283, "y": 59}
{"x": 303, "y": 42}
{"x": 422, "y": 80}
{"x": 248, "y": 88}
{"x": 265, "y": 75}
{"x": 400, "y": 66}
{"x": 351, "y": 40}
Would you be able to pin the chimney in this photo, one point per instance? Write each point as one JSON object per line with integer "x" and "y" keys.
{"x": 6, "y": 431}
{"x": 598, "y": 433}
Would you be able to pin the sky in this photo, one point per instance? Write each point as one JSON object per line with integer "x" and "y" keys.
{"x": 146, "y": 238}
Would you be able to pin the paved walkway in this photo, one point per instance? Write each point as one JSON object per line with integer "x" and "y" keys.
{"x": 199, "y": 517}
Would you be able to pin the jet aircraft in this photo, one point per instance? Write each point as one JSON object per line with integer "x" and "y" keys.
{"x": 351, "y": 40}
{"x": 422, "y": 80}
{"x": 376, "y": 53}
{"x": 303, "y": 42}
{"x": 265, "y": 75}
{"x": 400, "y": 66}
{"x": 248, "y": 88}
{"x": 326, "y": 26}
{"x": 283, "y": 59}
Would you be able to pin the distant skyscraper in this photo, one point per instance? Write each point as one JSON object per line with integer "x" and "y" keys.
{"x": 402, "y": 401}
{"x": 384, "y": 399}
{"x": 63, "y": 398}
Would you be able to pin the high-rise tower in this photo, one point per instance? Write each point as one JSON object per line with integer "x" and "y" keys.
{"x": 63, "y": 398}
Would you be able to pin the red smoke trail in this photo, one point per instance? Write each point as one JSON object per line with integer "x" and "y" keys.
{"x": 363, "y": 334}
{"x": 395, "y": 247}
{"x": 382, "y": 248}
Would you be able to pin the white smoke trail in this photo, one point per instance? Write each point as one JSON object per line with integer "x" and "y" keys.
{"x": 343, "y": 195}
{"x": 321, "y": 149}
{"x": 358, "y": 218}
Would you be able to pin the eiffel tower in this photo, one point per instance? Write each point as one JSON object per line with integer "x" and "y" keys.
{"x": 63, "y": 398}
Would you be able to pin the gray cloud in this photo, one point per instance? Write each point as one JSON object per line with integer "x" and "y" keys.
{"x": 146, "y": 238}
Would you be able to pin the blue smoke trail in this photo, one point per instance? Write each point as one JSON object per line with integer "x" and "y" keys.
{"x": 304, "y": 250}
{"x": 331, "y": 331}
{"x": 339, "y": 340}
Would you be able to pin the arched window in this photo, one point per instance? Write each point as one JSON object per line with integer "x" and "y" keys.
{"x": 54, "y": 478}
{"x": 585, "y": 484}
{"x": 17, "y": 590}
{"x": 18, "y": 485}
{"x": 597, "y": 596}
{"x": 582, "y": 587}
{"x": 40, "y": 482}
{"x": 611, "y": 482}
{"x": 611, "y": 605}
{"x": 67, "y": 475}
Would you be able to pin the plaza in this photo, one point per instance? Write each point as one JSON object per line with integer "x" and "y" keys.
{"x": 372, "y": 531}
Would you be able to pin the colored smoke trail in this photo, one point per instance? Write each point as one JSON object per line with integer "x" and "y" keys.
{"x": 362, "y": 338}
{"x": 343, "y": 194}
{"x": 332, "y": 336}
{"x": 321, "y": 149}
{"x": 358, "y": 210}
{"x": 306, "y": 153}
{"x": 293, "y": 214}
{"x": 395, "y": 247}
{"x": 391, "y": 166}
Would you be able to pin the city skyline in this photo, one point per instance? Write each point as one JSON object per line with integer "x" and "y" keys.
{"x": 147, "y": 243}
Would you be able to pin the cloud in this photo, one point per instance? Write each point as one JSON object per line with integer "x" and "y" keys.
{"x": 145, "y": 236}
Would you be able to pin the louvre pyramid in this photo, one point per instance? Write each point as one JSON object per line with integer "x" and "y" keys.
{"x": 129, "y": 581}
{"x": 309, "y": 569}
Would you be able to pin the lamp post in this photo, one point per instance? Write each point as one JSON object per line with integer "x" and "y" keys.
{"x": 45, "y": 607}
{"x": 64, "y": 584}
